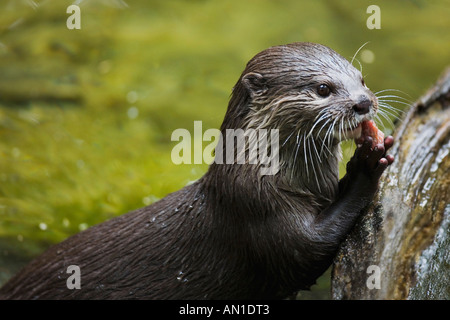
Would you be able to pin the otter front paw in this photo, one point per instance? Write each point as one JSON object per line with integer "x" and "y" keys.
{"x": 368, "y": 163}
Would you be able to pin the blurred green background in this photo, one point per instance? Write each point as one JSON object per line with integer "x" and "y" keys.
{"x": 86, "y": 115}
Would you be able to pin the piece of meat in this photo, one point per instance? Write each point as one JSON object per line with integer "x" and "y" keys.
{"x": 369, "y": 128}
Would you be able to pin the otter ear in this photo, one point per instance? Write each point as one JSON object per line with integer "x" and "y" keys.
{"x": 255, "y": 83}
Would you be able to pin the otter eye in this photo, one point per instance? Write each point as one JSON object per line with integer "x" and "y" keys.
{"x": 323, "y": 90}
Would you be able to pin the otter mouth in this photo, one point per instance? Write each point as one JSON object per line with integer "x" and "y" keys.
{"x": 350, "y": 132}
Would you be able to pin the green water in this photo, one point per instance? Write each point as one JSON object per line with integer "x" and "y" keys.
{"x": 86, "y": 115}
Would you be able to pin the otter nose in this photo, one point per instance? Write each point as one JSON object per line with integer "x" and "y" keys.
{"x": 363, "y": 106}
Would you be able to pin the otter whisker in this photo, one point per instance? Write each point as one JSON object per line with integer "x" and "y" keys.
{"x": 324, "y": 116}
{"x": 321, "y": 113}
{"x": 386, "y": 117}
{"x": 354, "y": 56}
{"x": 321, "y": 128}
{"x": 327, "y": 137}
{"x": 297, "y": 147}
{"x": 313, "y": 164}
{"x": 297, "y": 144}
{"x": 379, "y": 121}
{"x": 387, "y": 90}
{"x": 341, "y": 129}
{"x": 389, "y": 111}
{"x": 393, "y": 96}
{"x": 306, "y": 157}
{"x": 331, "y": 130}
{"x": 394, "y": 110}
{"x": 360, "y": 66}
{"x": 296, "y": 151}
{"x": 351, "y": 123}
{"x": 315, "y": 149}
{"x": 354, "y": 122}
{"x": 323, "y": 141}
{"x": 285, "y": 141}
{"x": 324, "y": 146}
{"x": 396, "y": 101}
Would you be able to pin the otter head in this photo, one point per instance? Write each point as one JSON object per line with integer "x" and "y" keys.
{"x": 311, "y": 94}
{"x": 301, "y": 87}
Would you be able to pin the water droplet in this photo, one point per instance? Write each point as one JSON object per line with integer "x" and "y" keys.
{"x": 367, "y": 56}
{"x": 83, "y": 226}
{"x": 182, "y": 277}
{"x": 423, "y": 203}
{"x": 146, "y": 200}
{"x": 132, "y": 97}
{"x": 133, "y": 112}
{"x": 65, "y": 222}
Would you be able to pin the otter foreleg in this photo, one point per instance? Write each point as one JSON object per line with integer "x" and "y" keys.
{"x": 356, "y": 190}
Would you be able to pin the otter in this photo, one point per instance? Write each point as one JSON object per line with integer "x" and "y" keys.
{"x": 234, "y": 233}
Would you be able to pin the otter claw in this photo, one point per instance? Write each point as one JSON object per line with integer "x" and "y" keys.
{"x": 382, "y": 165}
{"x": 388, "y": 142}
